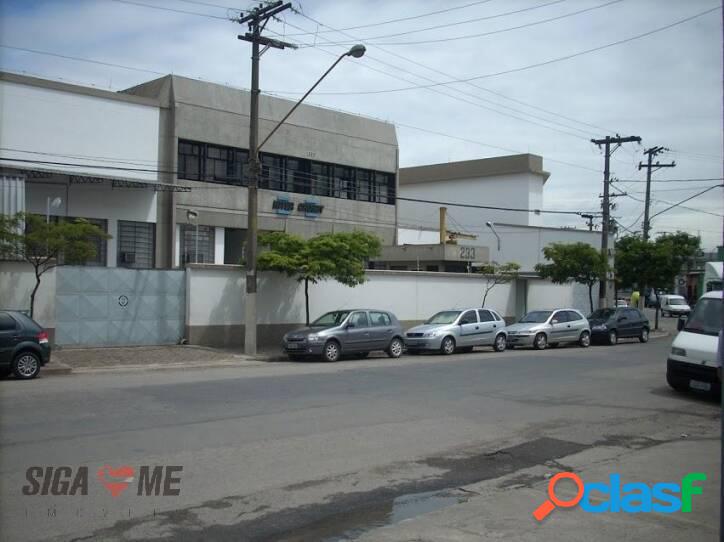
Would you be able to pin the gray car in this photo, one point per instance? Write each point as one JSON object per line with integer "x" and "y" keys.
{"x": 458, "y": 329}
{"x": 353, "y": 331}
{"x": 550, "y": 327}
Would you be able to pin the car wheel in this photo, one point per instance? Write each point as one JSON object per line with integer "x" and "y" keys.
{"x": 612, "y": 337}
{"x": 500, "y": 343}
{"x": 26, "y": 365}
{"x": 395, "y": 349}
{"x": 585, "y": 339}
{"x": 447, "y": 346}
{"x": 540, "y": 342}
{"x": 331, "y": 351}
{"x": 644, "y": 337}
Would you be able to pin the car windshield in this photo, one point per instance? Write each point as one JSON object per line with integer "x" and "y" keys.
{"x": 444, "y": 317}
{"x": 676, "y": 301}
{"x": 706, "y": 318}
{"x": 330, "y": 319}
{"x": 602, "y": 314}
{"x": 536, "y": 317}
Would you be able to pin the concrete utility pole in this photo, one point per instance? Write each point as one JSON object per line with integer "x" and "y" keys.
{"x": 653, "y": 151}
{"x": 257, "y": 19}
{"x": 607, "y": 142}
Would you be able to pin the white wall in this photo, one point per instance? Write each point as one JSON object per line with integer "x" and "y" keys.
{"x": 520, "y": 190}
{"x": 17, "y": 281}
{"x": 546, "y": 295}
{"x": 78, "y": 128}
{"x": 216, "y": 295}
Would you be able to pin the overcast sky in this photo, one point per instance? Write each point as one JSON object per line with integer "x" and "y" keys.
{"x": 665, "y": 87}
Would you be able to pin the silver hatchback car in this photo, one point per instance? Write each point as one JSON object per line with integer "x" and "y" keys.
{"x": 458, "y": 329}
{"x": 356, "y": 331}
{"x": 550, "y": 327}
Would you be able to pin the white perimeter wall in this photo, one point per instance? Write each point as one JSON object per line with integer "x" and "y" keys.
{"x": 97, "y": 130}
{"x": 17, "y": 281}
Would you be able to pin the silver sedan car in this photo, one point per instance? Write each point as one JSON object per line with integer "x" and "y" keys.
{"x": 550, "y": 327}
{"x": 458, "y": 329}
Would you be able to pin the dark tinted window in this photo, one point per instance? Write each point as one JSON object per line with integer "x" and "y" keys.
{"x": 359, "y": 319}
{"x": 380, "y": 318}
{"x": 561, "y": 316}
{"x": 468, "y": 317}
{"x": 573, "y": 316}
{"x": 485, "y": 316}
{"x": 6, "y": 322}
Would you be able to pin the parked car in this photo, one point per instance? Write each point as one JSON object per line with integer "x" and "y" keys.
{"x": 354, "y": 331}
{"x": 674, "y": 305}
{"x": 550, "y": 327}
{"x": 692, "y": 362}
{"x": 610, "y": 325}
{"x": 621, "y": 303}
{"x": 24, "y": 346}
{"x": 458, "y": 329}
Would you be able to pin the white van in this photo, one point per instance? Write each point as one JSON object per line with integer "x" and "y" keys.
{"x": 692, "y": 363}
{"x": 674, "y": 305}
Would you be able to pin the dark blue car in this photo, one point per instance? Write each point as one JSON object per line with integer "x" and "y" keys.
{"x": 24, "y": 346}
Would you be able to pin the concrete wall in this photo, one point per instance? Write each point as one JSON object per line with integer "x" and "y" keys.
{"x": 17, "y": 281}
{"x": 93, "y": 128}
{"x": 519, "y": 190}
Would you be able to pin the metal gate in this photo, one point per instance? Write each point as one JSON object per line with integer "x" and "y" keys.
{"x": 105, "y": 306}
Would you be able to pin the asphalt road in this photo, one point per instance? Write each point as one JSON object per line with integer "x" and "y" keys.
{"x": 311, "y": 451}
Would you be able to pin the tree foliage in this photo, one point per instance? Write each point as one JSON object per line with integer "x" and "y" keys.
{"x": 336, "y": 256}
{"x": 653, "y": 263}
{"x": 46, "y": 245}
{"x": 574, "y": 262}
{"x": 496, "y": 273}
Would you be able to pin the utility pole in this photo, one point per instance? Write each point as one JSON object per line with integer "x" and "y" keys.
{"x": 257, "y": 19}
{"x": 653, "y": 151}
{"x": 607, "y": 142}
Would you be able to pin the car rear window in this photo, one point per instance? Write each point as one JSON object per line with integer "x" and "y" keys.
{"x": 27, "y": 322}
{"x": 6, "y": 322}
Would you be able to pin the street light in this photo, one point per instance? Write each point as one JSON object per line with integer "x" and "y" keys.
{"x": 54, "y": 203}
{"x": 193, "y": 217}
{"x": 492, "y": 227}
{"x": 355, "y": 51}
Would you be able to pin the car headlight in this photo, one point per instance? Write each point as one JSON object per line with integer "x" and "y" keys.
{"x": 433, "y": 333}
{"x": 313, "y": 338}
{"x": 678, "y": 351}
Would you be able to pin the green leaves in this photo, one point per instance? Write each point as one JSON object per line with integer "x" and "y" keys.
{"x": 338, "y": 256}
{"x": 653, "y": 263}
{"x": 574, "y": 262}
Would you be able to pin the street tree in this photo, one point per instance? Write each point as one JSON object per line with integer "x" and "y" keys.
{"x": 45, "y": 245}
{"x": 641, "y": 263}
{"x": 574, "y": 262}
{"x": 330, "y": 256}
{"x": 496, "y": 273}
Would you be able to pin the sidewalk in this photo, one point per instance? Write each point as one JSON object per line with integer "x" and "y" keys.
{"x": 134, "y": 358}
{"x": 502, "y": 509}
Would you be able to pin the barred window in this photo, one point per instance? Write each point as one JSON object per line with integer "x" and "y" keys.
{"x": 136, "y": 244}
{"x": 193, "y": 251}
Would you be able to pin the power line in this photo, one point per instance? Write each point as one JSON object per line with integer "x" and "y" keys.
{"x": 400, "y": 19}
{"x": 493, "y": 207}
{"x": 523, "y": 68}
{"x": 690, "y": 198}
{"x": 371, "y": 40}
{"x": 163, "y": 8}
{"x": 672, "y": 180}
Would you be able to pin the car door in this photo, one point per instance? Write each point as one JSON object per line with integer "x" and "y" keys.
{"x": 357, "y": 335}
{"x": 560, "y": 330}
{"x": 9, "y": 337}
{"x": 487, "y": 327}
{"x": 576, "y": 324}
{"x": 469, "y": 328}
{"x": 381, "y": 329}
{"x": 634, "y": 322}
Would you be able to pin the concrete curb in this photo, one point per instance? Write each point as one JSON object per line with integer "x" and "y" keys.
{"x": 55, "y": 368}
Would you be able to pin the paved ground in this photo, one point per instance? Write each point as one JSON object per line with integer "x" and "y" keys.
{"x": 420, "y": 448}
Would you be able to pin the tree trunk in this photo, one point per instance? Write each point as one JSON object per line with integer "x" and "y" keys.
{"x": 32, "y": 294}
{"x": 306, "y": 297}
{"x": 485, "y": 296}
{"x": 590, "y": 295}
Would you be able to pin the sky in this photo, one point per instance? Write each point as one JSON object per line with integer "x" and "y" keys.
{"x": 533, "y": 83}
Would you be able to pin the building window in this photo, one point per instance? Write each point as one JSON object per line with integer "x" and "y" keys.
{"x": 298, "y": 177}
{"x": 343, "y": 182}
{"x": 384, "y": 191}
{"x": 272, "y": 173}
{"x": 322, "y": 179}
{"x": 189, "y": 160}
{"x": 364, "y": 179}
{"x": 193, "y": 251}
{"x": 100, "y": 258}
{"x": 234, "y": 241}
{"x": 136, "y": 244}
